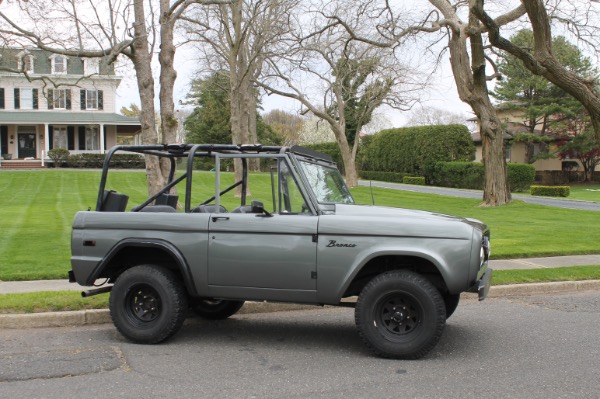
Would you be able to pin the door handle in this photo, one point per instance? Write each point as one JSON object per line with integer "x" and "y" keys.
{"x": 215, "y": 218}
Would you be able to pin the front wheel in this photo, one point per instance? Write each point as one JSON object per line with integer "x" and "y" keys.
{"x": 148, "y": 304}
{"x": 215, "y": 309}
{"x": 400, "y": 314}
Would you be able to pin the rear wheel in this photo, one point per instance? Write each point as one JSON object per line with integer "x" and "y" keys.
{"x": 148, "y": 304}
{"x": 400, "y": 314}
{"x": 215, "y": 309}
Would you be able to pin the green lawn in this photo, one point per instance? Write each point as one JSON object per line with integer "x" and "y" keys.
{"x": 37, "y": 209}
{"x": 581, "y": 192}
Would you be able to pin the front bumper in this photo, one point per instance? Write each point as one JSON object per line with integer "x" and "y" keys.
{"x": 482, "y": 286}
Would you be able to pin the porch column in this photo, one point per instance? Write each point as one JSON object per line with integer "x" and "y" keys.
{"x": 46, "y": 140}
{"x": 102, "y": 149}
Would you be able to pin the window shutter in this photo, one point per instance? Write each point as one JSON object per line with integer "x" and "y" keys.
{"x": 50, "y": 99}
{"x": 50, "y": 137}
{"x": 1, "y": 98}
{"x": 17, "y": 98}
{"x": 82, "y": 100}
{"x": 81, "y": 135}
{"x": 68, "y": 98}
{"x": 100, "y": 100}
{"x": 35, "y": 98}
{"x": 70, "y": 138}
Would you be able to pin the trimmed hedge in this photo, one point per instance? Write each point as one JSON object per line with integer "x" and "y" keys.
{"x": 391, "y": 177}
{"x": 471, "y": 175}
{"x": 95, "y": 161}
{"x": 412, "y": 150}
{"x": 417, "y": 180}
{"x": 551, "y": 191}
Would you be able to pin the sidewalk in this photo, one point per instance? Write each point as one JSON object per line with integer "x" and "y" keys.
{"x": 88, "y": 317}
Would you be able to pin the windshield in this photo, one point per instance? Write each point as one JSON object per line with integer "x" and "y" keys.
{"x": 327, "y": 184}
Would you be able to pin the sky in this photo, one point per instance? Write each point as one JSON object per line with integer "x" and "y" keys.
{"x": 442, "y": 94}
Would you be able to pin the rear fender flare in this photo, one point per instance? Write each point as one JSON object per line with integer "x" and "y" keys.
{"x": 163, "y": 245}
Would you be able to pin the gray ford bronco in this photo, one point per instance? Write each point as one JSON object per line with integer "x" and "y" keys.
{"x": 292, "y": 233}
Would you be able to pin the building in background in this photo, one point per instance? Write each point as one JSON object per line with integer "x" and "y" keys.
{"x": 53, "y": 101}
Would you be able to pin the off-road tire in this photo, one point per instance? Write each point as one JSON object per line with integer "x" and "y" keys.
{"x": 400, "y": 314}
{"x": 148, "y": 304}
{"x": 215, "y": 309}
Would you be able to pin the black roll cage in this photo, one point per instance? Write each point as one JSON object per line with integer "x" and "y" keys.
{"x": 191, "y": 152}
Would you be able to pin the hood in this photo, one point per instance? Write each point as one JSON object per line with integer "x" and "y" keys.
{"x": 400, "y": 221}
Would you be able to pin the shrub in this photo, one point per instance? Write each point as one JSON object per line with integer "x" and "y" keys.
{"x": 551, "y": 191}
{"x": 417, "y": 180}
{"x": 520, "y": 176}
{"x": 457, "y": 175}
{"x": 95, "y": 161}
{"x": 413, "y": 150}
{"x": 391, "y": 177}
{"x": 58, "y": 156}
{"x": 471, "y": 175}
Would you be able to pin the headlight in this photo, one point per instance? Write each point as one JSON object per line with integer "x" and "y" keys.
{"x": 485, "y": 251}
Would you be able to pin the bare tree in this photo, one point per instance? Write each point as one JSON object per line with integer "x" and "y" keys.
{"x": 426, "y": 116}
{"x": 72, "y": 28}
{"x": 468, "y": 61}
{"x": 582, "y": 22}
{"x": 348, "y": 80}
{"x": 238, "y": 37}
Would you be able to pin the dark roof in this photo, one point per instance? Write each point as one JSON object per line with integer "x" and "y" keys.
{"x": 42, "y": 64}
{"x": 512, "y": 129}
{"x": 66, "y": 118}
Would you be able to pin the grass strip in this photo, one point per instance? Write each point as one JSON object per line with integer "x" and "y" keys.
{"x": 50, "y": 301}
{"x": 571, "y": 273}
{"x": 54, "y": 301}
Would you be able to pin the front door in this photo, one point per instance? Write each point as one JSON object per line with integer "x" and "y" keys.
{"x": 26, "y": 145}
{"x": 261, "y": 252}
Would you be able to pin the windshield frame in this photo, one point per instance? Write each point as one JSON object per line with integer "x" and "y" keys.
{"x": 331, "y": 178}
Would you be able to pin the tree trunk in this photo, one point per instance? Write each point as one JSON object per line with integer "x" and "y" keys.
{"x": 141, "y": 58}
{"x": 168, "y": 75}
{"x": 471, "y": 83}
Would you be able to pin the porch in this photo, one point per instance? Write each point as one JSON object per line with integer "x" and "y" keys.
{"x": 27, "y": 136}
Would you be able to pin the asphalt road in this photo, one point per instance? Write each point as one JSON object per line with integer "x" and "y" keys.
{"x": 529, "y": 347}
{"x": 454, "y": 192}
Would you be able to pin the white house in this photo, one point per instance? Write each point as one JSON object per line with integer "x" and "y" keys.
{"x": 54, "y": 101}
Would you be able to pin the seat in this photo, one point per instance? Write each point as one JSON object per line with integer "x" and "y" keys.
{"x": 113, "y": 201}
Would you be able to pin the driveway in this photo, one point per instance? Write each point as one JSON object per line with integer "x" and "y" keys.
{"x": 476, "y": 194}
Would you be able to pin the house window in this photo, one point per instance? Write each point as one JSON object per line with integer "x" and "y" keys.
{"x": 25, "y": 63}
{"x": 92, "y": 99}
{"x": 60, "y": 138}
{"x": 59, "y": 64}
{"x": 26, "y": 98}
{"x": 92, "y": 138}
{"x": 59, "y": 99}
{"x": 1, "y": 98}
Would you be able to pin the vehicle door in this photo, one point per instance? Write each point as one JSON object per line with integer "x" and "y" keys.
{"x": 266, "y": 255}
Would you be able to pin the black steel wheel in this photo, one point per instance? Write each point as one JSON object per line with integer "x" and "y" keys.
{"x": 451, "y": 302}
{"x": 400, "y": 314}
{"x": 148, "y": 304}
{"x": 215, "y": 309}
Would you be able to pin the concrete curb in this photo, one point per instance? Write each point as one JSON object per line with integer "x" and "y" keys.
{"x": 101, "y": 316}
